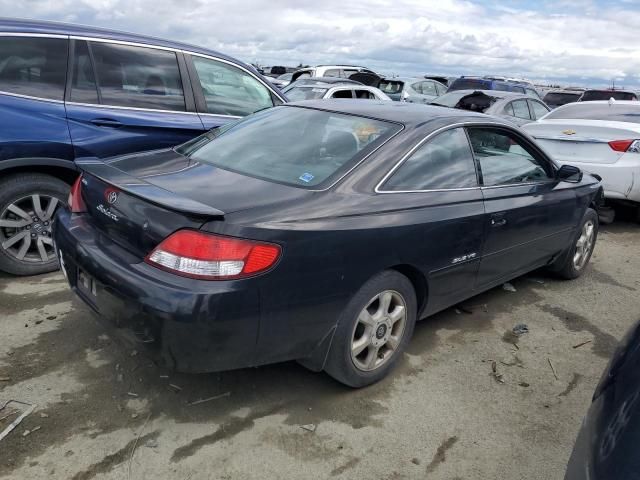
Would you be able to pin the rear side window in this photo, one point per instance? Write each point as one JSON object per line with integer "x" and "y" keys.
{"x": 83, "y": 83}
{"x": 539, "y": 110}
{"x": 444, "y": 162}
{"x": 342, "y": 94}
{"x": 391, "y": 86}
{"x": 35, "y": 67}
{"x": 229, "y": 90}
{"x": 365, "y": 94}
{"x": 138, "y": 76}
{"x": 504, "y": 160}
{"x": 332, "y": 73}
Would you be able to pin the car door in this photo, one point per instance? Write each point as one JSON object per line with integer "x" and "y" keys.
{"x": 530, "y": 216}
{"x": 436, "y": 190}
{"x": 223, "y": 91}
{"x": 125, "y": 98}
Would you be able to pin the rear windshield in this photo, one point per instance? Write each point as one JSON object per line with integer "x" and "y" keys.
{"x": 470, "y": 84}
{"x": 597, "y": 111}
{"x": 305, "y": 93}
{"x": 606, "y": 95}
{"x": 296, "y": 146}
{"x": 557, "y": 99}
{"x": 391, "y": 86}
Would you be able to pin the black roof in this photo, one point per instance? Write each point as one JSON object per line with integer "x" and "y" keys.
{"x": 408, "y": 114}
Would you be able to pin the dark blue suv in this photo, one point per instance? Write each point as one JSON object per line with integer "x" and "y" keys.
{"x": 69, "y": 92}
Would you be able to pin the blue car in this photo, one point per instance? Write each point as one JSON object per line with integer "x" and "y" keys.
{"x": 70, "y": 92}
{"x": 485, "y": 83}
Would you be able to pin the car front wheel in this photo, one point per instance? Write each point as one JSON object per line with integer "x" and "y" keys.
{"x": 28, "y": 203}
{"x": 373, "y": 330}
{"x": 582, "y": 248}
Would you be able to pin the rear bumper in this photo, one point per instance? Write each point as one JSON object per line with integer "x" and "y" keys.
{"x": 188, "y": 325}
{"x": 620, "y": 180}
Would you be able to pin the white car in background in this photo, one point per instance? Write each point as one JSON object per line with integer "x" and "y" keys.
{"x": 325, "y": 88}
{"x": 601, "y": 137}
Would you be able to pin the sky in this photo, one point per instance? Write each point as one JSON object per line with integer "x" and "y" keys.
{"x": 590, "y": 42}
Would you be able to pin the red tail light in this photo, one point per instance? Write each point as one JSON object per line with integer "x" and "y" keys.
{"x": 76, "y": 203}
{"x": 621, "y": 145}
{"x": 212, "y": 257}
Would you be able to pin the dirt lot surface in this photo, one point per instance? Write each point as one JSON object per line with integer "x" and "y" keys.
{"x": 105, "y": 412}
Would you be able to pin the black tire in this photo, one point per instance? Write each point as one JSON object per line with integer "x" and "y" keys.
{"x": 340, "y": 364}
{"x": 567, "y": 269}
{"x": 12, "y": 190}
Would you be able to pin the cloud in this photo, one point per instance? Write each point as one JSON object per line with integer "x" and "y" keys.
{"x": 561, "y": 40}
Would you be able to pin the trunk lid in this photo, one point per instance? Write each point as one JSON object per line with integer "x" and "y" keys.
{"x": 581, "y": 141}
{"x": 138, "y": 200}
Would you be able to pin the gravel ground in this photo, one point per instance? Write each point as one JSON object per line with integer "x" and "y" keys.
{"x": 105, "y": 412}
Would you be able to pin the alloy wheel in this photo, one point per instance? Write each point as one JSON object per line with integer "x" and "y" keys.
{"x": 25, "y": 228}
{"x": 584, "y": 245}
{"x": 378, "y": 331}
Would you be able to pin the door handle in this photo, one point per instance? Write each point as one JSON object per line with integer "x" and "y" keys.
{"x": 106, "y": 122}
{"x": 498, "y": 221}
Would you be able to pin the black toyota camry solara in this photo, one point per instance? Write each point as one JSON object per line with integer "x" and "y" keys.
{"x": 318, "y": 231}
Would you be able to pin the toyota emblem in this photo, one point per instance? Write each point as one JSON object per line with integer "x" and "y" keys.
{"x": 112, "y": 197}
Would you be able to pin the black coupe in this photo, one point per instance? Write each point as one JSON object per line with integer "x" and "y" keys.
{"x": 318, "y": 231}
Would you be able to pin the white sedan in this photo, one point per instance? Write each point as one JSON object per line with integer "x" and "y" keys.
{"x": 600, "y": 137}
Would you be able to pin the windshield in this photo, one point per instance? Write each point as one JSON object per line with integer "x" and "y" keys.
{"x": 606, "y": 95}
{"x": 450, "y": 99}
{"x": 391, "y": 86}
{"x": 261, "y": 145}
{"x": 470, "y": 84}
{"x": 560, "y": 98}
{"x": 597, "y": 111}
{"x": 296, "y": 94}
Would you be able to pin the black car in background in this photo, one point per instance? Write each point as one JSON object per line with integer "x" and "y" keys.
{"x": 557, "y": 98}
{"x": 318, "y": 231}
{"x": 607, "y": 444}
{"x": 606, "y": 94}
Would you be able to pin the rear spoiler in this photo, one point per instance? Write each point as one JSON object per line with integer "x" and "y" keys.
{"x": 145, "y": 190}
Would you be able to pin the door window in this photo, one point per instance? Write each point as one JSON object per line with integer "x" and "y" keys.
{"x": 428, "y": 88}
{"x": 520, "y": 109}
{"x": 83, "y": 83}
{"x": 365, "y": 94}
{"x": 539, "y": 110}
{"x": 445, "y": 162}
{"x": 508, "y": 110}
{"x": 342, "y": 94}
{"x": 229, "y": 90}
{"x": 334, "y": 72}
{"x": 504, "y": 160}
{"x": 138, "y": 77}
{"x": 35, "y": 67}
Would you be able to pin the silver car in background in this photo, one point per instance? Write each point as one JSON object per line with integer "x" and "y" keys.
{"x": 515, "y": 107}
{"x": 326, "y": 88}
{"x": 412, "y": 90}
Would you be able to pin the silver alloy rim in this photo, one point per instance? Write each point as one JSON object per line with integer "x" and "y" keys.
{"x": 584, "y": 245}
{"x": 25, "y": 228}
{"x": 378, "y": 332}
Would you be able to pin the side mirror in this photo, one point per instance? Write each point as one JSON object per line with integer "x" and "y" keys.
{"x": 569, "y": 173}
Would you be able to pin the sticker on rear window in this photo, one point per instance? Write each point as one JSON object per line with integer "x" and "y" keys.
{"x": 306, "y": 177}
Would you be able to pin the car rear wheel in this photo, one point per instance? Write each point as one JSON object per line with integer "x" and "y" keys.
{"x": 580, "y": 252}
{"x": 28, "y": 203}
{"x": 373, "y": 330}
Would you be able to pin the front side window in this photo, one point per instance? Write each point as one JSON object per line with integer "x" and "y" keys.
{"x": 520, "y": 109}
{"x": 445, "y": 162}
{"x": 229, "y": 90}
{"x": 35, "y": 67}
{"x": 504, "y": 160}
{"x": 139, "y": 77}
{"x": 295, "y": 146}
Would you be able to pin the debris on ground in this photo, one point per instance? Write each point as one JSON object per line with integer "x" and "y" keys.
{"x": 521, "y": 329}
{"x": 553, "y": 369}
{"x": 494, "y": 372}
{"x": 151, "y": 443}
{"x": 134, "y": 353}
{"x": 43, "y": 415}
{"x": 135, "y": 444}
{"x": 131, "y": 394}
{"x": 536, "y": 280}
{"x": 524, "y": 384}
{"x": 17, "y": 421}
{"x": 575, "y": 346}
{"x": 311, "y": 427}
{"x": 458, "y": 312}
{"x": 466, "y": 310}
{"x": 29, "y": 432}
{"x": 5, "y": 379}
{"x": 215, "y": 397}
{"x": 175, "y": 387}
{"x": 508, "y": 287}
{"x": 415, "y": 461}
